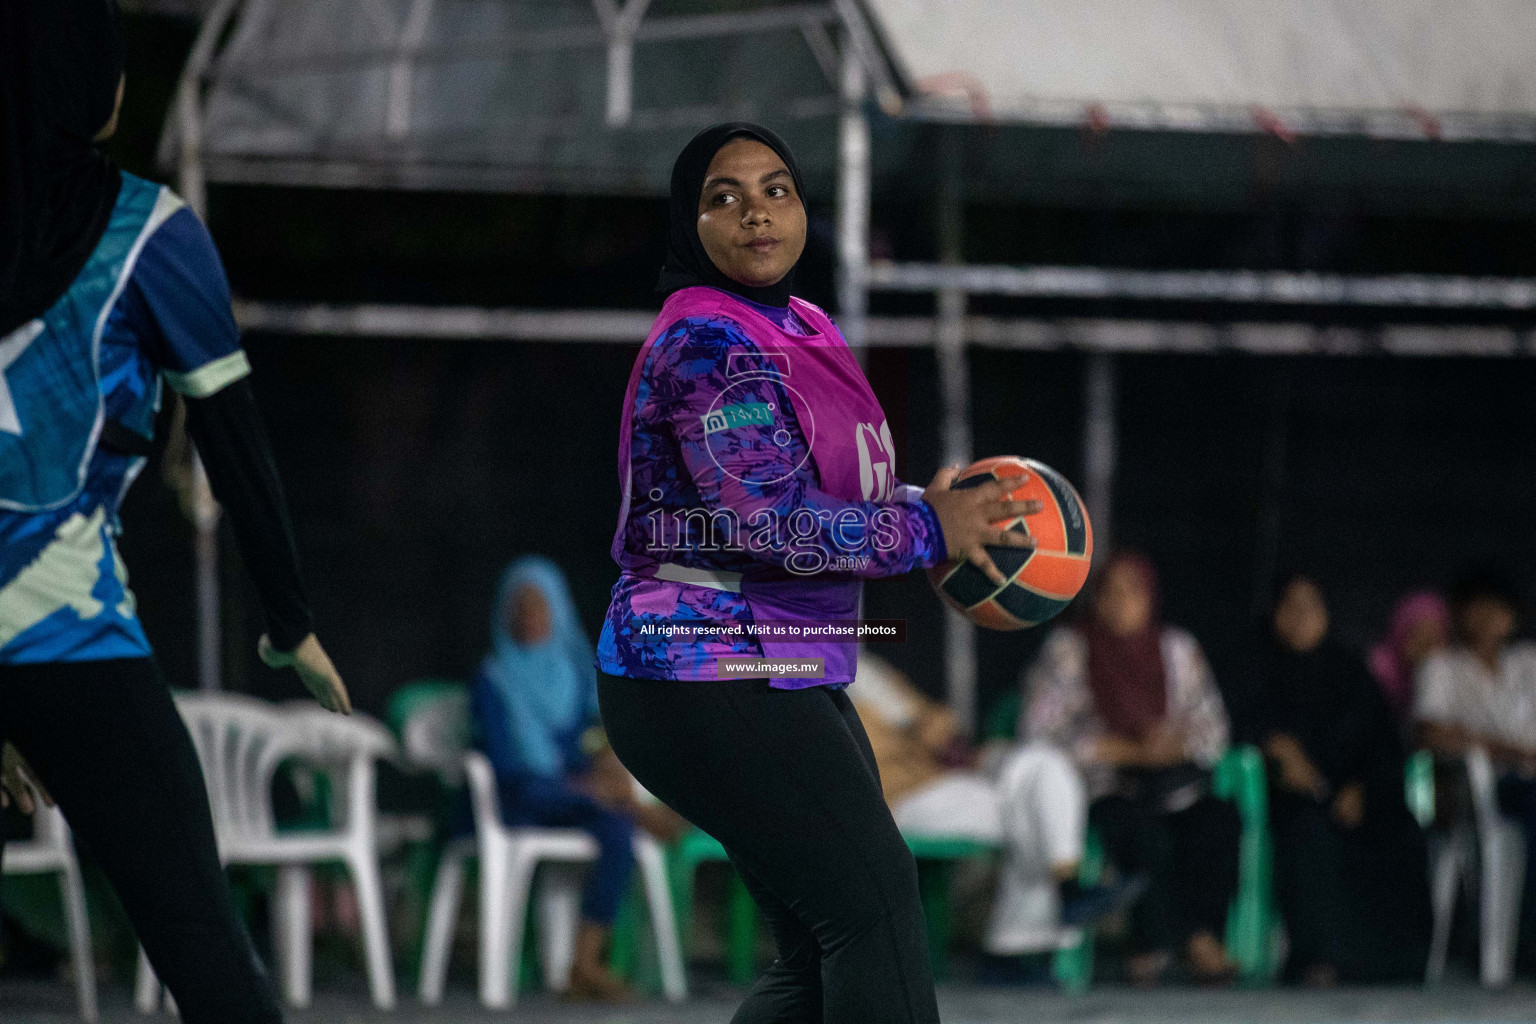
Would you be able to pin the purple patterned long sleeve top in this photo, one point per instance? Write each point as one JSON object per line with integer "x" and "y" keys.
{"x": 716, "y": 445}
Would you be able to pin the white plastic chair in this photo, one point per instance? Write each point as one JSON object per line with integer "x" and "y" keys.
{"x": 435, "y": 735}
{"x": 508, "y": 857}
{"x": 241, "y": 742}
{"x": 1497, "y": 845}
{"x": 52, "y": 851}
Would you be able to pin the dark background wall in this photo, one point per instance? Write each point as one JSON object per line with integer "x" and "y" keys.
{"x": 416, "y": 469}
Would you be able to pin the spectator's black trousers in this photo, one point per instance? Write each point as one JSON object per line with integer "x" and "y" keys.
{"x": 107, "y": 741}
{"x": 1356, "y": 900}
{"x": 786, "y": 781}
{"x": 1190, "y": 858}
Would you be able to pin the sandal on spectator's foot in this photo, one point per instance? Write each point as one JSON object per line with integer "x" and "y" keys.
{"x": 1209, "y": 964}
{"x": 1147, "y": 970}
{"x": 597, "y": 987}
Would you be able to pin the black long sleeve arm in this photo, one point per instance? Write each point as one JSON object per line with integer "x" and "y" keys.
{"x": 230, "y": 437}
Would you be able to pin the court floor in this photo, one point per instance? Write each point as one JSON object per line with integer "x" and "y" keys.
{"x": 34, "y": 1003}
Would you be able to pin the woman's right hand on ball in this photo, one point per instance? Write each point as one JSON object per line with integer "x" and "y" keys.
{"x": 966, "y": 517}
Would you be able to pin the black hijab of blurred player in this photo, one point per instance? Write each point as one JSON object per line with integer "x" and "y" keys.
{"x": 61, "y": 66}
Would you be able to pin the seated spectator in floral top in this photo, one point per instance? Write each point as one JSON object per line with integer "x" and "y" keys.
{"x": 1135, "y": 704}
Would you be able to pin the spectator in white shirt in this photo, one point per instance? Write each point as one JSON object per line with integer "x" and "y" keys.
{"x": 1482, "y": 693}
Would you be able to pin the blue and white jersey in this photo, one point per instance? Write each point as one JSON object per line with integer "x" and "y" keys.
{"x": 151, "y": 304}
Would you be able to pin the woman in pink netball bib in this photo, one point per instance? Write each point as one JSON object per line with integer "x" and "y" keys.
{"x": 759, "y": 491}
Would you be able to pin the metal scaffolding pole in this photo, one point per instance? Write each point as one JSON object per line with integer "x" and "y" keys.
{"x": 955, "y": 423}
{"x": 1266, "y": 560}
{"x": 1018, "y": 334}
{"x": 205, "y": 510}
{"x": 1100, "y": 444}
{"x": 1269, "y": 287}
{"x": 853, "y": 200}
{"x": 619, "y": 26}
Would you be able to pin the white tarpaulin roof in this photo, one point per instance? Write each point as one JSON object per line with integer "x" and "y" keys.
{"x": 1455, "y": 70}
{"x": 518, "y": 95}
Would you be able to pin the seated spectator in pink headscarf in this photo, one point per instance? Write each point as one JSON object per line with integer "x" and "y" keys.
{"x": 1420, "y": 624}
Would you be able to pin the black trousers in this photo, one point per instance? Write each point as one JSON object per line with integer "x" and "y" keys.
{"x": 786, "y": 781}
{"x": 107, "y": 741}
{"x": 1356, "y": 900}
{"x": 1190, "y": 858}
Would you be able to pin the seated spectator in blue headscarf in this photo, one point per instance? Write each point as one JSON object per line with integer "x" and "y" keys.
{"x": 534, "y": 704}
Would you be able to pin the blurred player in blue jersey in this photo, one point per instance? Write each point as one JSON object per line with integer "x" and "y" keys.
{"x": 110, "y": 286}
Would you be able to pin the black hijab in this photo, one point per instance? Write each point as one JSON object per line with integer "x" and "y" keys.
{"x": 1325, "y": 698}
{"x": 60, "y": 64}
{"x": 687, "y": 263}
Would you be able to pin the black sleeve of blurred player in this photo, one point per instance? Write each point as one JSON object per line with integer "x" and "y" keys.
{"x": 227, "y": 429}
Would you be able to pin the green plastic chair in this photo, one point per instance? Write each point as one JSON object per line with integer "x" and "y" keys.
{"x": 937, "y": 859}
{"x": 1251, "y": 920}
{"x": 1419, "y": 786}
{"x": 1073, "y": 966}
{"x": 1002, "y": 719}
{"x": 429, "y": 697}
{"x": 683, "y": 860}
